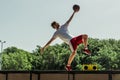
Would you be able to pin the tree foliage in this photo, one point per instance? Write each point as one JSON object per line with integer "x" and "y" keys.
{"x": 16, "y": 59}
{"x": 105, "y": 54}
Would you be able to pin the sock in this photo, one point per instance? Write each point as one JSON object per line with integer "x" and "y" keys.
{"x": 68, "y": 65}
{"x": 85, "y": 48}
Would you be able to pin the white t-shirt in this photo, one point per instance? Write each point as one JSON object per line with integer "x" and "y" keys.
{"x": 63, "y": 33}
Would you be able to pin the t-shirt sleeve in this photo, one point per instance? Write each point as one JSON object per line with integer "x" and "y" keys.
{"x": 65, "y": 25}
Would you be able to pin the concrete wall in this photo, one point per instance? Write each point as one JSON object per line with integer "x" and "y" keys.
{"x": 116, "y": 76}
{"x": 77, "y": 77}
{"x": 2, "y": 77}
{"x": 26, "y": 76}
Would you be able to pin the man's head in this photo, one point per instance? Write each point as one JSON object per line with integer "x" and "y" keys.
{"x": 55, "y": 25}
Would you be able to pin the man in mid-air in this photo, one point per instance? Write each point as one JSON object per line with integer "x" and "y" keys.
{"x": 73, "y": 42}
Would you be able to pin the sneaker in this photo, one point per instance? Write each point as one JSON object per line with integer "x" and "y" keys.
{"x": 86, "y": 51}
{"x": 68, "y": 68}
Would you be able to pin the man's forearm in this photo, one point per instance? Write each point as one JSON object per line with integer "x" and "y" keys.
{"x": 70, "y": 18}
{"x": 49, "y": 42}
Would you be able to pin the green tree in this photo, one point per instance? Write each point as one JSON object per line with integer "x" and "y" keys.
{"x": 105, "y": 54}
{"x": 16, "y": 59}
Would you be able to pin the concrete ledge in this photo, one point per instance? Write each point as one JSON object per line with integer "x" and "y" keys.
{"x": 61, "y": 71}
{"x": 59, "y": 75}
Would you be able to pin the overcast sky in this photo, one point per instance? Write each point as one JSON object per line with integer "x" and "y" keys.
{"x": 26, "y": 23}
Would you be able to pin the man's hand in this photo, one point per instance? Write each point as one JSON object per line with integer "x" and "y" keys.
{"x": 42, "y": 50}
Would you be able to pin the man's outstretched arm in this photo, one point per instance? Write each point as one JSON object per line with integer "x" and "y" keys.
{"x": 52, "y": 39}
{"x": 69, "y": 20}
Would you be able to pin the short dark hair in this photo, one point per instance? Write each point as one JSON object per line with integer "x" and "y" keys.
{"x": 54, "y": 22}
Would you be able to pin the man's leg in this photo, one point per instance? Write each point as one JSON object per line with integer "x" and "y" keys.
{"x": 71, "y": 58}
{"x": 73, "y": 47}
{"x": 85, "y": 42}
{"x": 68, "y": 67}
{"x": 83, "y": 39}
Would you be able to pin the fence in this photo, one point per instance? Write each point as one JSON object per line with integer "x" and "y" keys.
{"x": 59, "y": 75}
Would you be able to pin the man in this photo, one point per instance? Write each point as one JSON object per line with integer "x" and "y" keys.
{"x": 73, "y": 42}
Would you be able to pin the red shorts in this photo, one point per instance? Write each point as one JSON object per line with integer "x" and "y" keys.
{"x": 74, "y": 42}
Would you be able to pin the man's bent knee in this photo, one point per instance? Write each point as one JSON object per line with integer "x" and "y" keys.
{"x": 85, "y": 36}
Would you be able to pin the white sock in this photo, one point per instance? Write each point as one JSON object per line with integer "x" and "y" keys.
{"x": 86, "y": 48}
{"x": 68, "y": 65}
